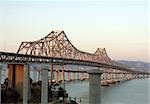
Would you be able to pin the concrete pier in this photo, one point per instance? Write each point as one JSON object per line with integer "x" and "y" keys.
{"x": 26, "y": 85}
{"x": 0, "y": 81}
{"x": 44, "y": 75}
{"x": 95, "y": 86}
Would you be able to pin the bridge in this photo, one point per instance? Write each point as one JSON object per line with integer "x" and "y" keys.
{"x": 53, "y": 53}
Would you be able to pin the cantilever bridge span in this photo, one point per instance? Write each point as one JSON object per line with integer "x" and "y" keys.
{"x": 56, "y": 50}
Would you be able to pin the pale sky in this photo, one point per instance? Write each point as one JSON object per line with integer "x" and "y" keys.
{"x": 121, "y": 26}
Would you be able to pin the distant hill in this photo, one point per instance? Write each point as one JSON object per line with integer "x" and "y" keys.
{"x": 136, "y": 65}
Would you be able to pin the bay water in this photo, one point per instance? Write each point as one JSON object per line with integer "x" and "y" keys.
{"x": 130, "y": 92}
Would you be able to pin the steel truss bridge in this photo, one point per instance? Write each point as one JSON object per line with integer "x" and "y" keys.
{"x": 55, "y": 48}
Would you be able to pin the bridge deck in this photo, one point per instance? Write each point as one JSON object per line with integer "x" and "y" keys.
{"x": 6, "y": 57}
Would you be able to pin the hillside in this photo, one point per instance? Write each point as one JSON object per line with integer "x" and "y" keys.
{"x": 136, "y": 65}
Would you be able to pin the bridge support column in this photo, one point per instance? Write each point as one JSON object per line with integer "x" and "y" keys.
{"x": 95, "y": 86}
{"x": 44, "y": 90}
{"x": 57, "y": 76}
{"x": 52, "y": 73}
{"x": 35, "y": 76}
{"x": 72, "y": 75}
{"x": 26, "y": 85}
{"x": 0, "y": 81}
{"x": 63, "y": 74}
{"x": 78, "y": 76}
{"x": 68, "y": 76}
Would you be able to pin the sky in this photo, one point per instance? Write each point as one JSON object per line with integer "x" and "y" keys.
{"x": 120, "y": 26}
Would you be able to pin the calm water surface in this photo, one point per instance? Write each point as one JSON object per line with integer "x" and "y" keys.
{"x": 129, "y": 92}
